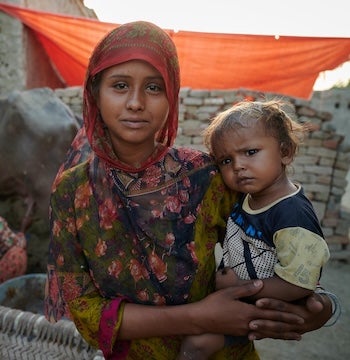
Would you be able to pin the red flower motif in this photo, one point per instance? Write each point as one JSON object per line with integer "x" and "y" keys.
{"x": 57, "y": 227}
{"x": 143, "y": 295}
{"x": 183, "y": 196}
{"x": 173, "y": 204}
{"x": 71, "y": 226}
{"x": 186, "y": 182}
{"x": 191, "y": 248}
{"x": 81, "y": 221}
{"x": 158, "y": 299}
{"x": 60, "y": 260}
{"x": 82, "y": 196}
{"x": 153, "y": 174}
{"x": 108, "y": 214}
{"x": 100, "y": 248}
{"x": 189, "y": 219}
{"x": 170, "y": 239}
{"x": 158, "y": 266}
{"x": 115, "y": 268}
{"x": 157, "y": 214}
{"x": 137, "y": 270}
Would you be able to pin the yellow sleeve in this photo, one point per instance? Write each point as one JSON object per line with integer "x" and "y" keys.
{"x": 301, "y": 255}
{"x": 86, "y": 312}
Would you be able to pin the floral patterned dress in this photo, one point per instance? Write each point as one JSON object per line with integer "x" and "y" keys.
{"x": 146, "y": 238}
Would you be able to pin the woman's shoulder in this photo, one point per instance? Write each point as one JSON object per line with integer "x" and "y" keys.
{"x": 71, "y": 177}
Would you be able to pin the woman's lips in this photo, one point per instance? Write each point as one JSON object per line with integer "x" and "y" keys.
{"x": 134, "y": 124}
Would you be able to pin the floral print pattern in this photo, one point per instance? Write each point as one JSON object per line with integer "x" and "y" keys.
{"x": 126, "y": 251}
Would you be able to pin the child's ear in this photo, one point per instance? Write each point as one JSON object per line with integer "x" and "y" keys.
{"x": 287, "y": 153}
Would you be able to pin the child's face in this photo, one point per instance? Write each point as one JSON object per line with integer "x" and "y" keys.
{"x": 250, "y": 160}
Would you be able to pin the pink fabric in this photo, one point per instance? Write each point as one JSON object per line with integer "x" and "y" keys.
{"x": 108, "y": 321}
{"x": 13, "y": 263}
{"x": 13, "y": 252}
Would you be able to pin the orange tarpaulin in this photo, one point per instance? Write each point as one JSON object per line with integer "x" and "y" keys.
{"x": 288, "y": 65}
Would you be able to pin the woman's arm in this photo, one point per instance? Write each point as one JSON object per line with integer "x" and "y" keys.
{"x": 315, "y": 311}
{"x": 219, "y": 312}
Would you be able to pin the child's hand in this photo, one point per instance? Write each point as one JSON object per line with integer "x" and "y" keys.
{"x": 226, "y": 277}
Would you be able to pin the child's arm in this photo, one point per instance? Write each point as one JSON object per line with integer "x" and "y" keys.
{"x": 274, "y": 287}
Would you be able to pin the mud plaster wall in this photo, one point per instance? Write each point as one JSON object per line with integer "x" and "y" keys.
{"x": 23, "y": 62}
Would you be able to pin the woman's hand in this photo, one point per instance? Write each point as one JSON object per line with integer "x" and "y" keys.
{"x": 315, "y": 311}
{"x": 222, "y": 312}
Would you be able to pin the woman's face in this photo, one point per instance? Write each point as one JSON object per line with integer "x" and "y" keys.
{"x": 133, "y": 104}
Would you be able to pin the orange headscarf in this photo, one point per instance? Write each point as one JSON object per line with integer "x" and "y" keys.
{"x": 138, "y": 40}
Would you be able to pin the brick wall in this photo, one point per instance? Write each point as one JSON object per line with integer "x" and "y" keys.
{"x": 321, "y": 165}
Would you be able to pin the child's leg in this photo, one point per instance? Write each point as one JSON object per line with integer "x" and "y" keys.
{"x": 200, "y": 347}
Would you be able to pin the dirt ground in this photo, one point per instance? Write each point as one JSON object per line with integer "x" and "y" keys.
{"x": 327, "y": 343}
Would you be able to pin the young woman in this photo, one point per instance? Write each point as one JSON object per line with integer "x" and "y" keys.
{"x": 134, "y": 221}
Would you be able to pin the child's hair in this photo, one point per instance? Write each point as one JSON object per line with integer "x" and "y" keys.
{"x": 277, "y": 122}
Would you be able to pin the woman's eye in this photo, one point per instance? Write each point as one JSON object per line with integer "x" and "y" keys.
{"x": 120, "y": 85}
{"x": 154, "y": 88}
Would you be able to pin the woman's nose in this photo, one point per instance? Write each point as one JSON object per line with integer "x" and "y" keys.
{"x": 135, "y": 101}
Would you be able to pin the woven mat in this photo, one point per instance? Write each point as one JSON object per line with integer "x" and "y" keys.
{"x": 25, "y": 335}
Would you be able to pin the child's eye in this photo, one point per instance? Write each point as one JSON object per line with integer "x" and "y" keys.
{"x": 225, "y": 161}
{"x": 251, "y": 152}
